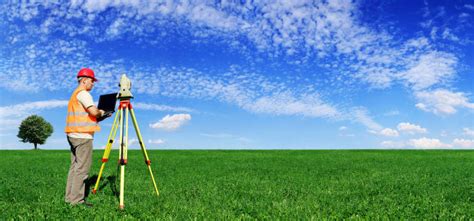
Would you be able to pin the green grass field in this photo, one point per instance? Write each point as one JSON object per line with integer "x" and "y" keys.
{"x": 224, "y": 185}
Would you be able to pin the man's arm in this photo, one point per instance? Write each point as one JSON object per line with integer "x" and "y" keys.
{"x": 94, "y": 111}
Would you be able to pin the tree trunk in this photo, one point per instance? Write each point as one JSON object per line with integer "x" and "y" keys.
{"x": 36, "y": 146}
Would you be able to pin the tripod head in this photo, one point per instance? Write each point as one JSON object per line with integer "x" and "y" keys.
{"x": 125, "y": 86}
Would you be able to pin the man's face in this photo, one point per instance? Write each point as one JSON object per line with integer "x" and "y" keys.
{"x": 89, "y": 83}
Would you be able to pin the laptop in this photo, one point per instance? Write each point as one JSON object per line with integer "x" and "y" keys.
{"x": 107, "y": 102}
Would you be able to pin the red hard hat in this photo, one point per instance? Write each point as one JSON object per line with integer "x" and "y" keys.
{"x": 86, "y": 72}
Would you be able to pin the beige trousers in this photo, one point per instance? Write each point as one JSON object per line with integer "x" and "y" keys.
{"x": 81, "y": 160}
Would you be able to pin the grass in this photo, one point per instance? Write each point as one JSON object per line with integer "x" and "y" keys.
{"x": 222, "y": 185}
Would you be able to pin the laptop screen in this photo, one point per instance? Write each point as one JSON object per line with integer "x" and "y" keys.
{"x": 107, "y": 102}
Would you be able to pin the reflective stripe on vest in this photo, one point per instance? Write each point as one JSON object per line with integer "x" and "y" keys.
{"x": 77, "y": 113}
{"x": 78, "y": 119}
{"x": 81, "y": 124}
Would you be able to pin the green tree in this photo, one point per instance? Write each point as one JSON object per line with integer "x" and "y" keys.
{"x": 34, "y": 129}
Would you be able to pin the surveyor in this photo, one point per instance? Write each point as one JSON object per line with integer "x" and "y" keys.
{"x": 81, "y": 123}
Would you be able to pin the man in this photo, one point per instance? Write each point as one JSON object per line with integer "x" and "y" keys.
{"x": 81, "y": 123}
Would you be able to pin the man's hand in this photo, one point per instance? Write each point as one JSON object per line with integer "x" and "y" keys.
{"x": 94, "y": 111}
{"x": 107, "y": 114}
{"x": 104, "y": 115}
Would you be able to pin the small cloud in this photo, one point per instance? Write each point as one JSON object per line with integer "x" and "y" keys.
{"x": 468, "y": 132}
{"x": 132, "y": 141}
{"x": 171, "y": 122}
{"x": 388, "y": 132}
{"x": 245, "y": 140}
{"x": 427, "y": 143}
{"x": 463, "y": 143}
{"x": 444, "y": 133}
{"x": 361, "y": 115}
{"x": 115, "y": 28}
{"x": 464, "y": 15}
{"x": 156, "y": 141}
{"x": 447, "y": 34}
{"x": 96, "y": 6}
{"x": 344, "y": 132}
{"x": 410, "y": 128}
{"x": 468, "y": 6}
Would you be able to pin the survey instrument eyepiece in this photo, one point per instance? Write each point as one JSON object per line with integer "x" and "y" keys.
{"x": 125, "y": 86}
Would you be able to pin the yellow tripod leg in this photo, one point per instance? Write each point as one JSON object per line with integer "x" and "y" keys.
{"x": 122, "y": 183}
{"x": 142, "y": 145}
{"x": 123, "y": 158}
{"x": 108, "y": 147}
{"x": 125, "y": 152}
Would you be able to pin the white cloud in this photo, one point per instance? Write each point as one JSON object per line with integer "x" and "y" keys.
{"x": 115, "y": 28}
{"x": 28, "y": 64}
{"x": 95, "y": 6}
{"x": 132, "y": 142}
{"x": 171, "y": 122}
{"x": 463, "y": 143}
{"x": 447, "y": 34}
{"x": 411, "y": 128}
{"x": 342, "y": 128}
{"x": 344, "y": 132}
{"x": 464, "y": 16}
{"x": 444, "y": 133}
{"x": 442, "y": 101}
{"x": 328, "y": 33}
{"x": 468, "y": 132}
{"x": 249, "y": 91}
{"x": 21, "y": 109}
{"x": 156, "y": 141}
{"x": 389, "y": 132}
{"x": 361, "y": 115}
{"x": 239, "y": 87}
{"x": 468, "y": 6}
{"x": 427, "y": 143}
{"x": 286, "y": 104}
{"x": 281, "y": 28}
{"x": 430, "y": 69}
{"x": 12, "y": 115}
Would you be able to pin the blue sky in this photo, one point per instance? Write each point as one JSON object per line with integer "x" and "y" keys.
{"x": 249, "y": 75}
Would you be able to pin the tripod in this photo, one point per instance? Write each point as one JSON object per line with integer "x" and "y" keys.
{"x": 125, "y": 106}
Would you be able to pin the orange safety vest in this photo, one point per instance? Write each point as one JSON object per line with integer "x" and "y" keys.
{"x": 78, "y": 119}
